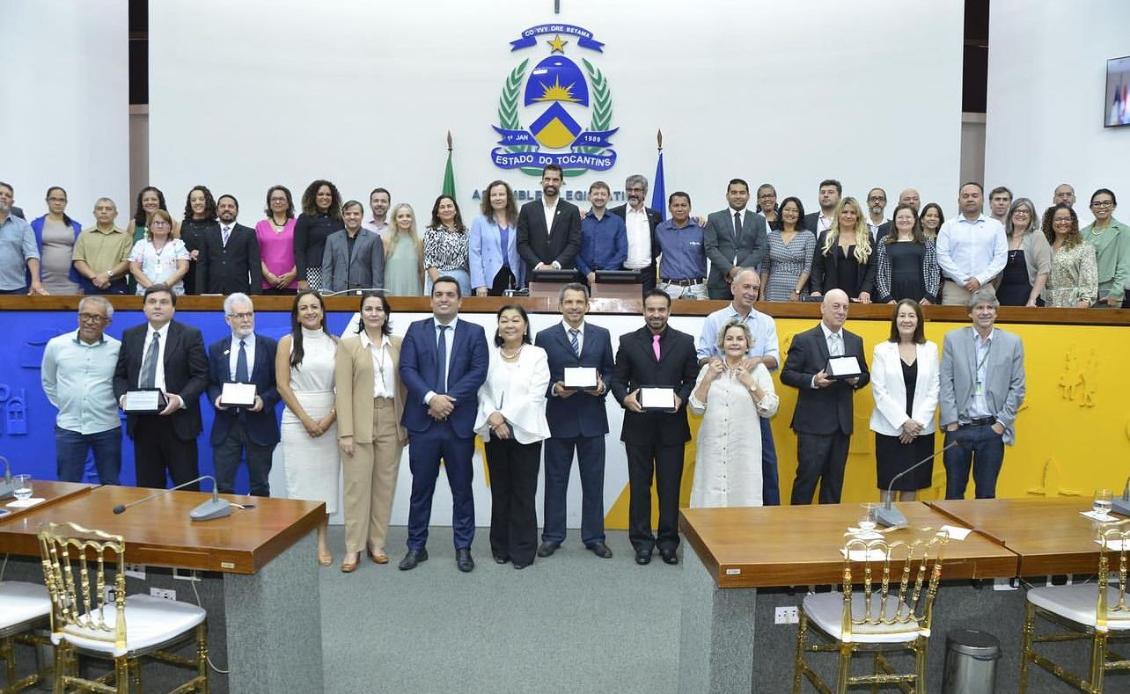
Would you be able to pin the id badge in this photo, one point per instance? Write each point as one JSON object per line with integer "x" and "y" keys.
{"x": 978, "y": 388}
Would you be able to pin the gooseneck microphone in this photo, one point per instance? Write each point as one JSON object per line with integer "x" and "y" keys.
{"x": 1121, "y": 504}
{"x": 887, "y": 515}
{"x": 7, "y": 486}
{"x": 209, "y": 510}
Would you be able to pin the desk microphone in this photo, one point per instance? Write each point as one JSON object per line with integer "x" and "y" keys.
{"x": 356, "y": 291}
{"x": 1119, "y": 504}
{"x": 7, "y": 486}
{"x": 887, "y": 515}
{"x": 210, "y": 509}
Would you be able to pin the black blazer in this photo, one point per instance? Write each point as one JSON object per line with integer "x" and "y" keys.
{"x": 580, "y": 414}
{"x": 186, "y": 373}
{"x": 636, "y": 366}
{"x": 653, "y": 220}
{"x": 825, "y": 270}
{"x": 560, "y": 244}
{"x": 228, "y": 269}
{"x": 263, "y": 426}
{"x": 821, "y": 410}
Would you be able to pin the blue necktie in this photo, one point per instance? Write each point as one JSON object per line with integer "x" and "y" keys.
{"x": 241, "y": 364}
{"x": 574, "y": 343}
{"x": 441, "y": 360}
{"x": 504, "y": 241}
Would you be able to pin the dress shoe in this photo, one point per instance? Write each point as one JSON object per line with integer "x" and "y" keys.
{"x": 349, "y": 562}
{"x": 669, "y": 556}
{"x": 600, "y": 549}
{"x": 413, "y": 558}
{"x": 643, "y": 556}
{"x": 500, "y": 558}
{"x": 378, "y": 556}
{"x": 464, "y": 561}
{"x": 521, "y": 564}
{"x": 547, "y": 548}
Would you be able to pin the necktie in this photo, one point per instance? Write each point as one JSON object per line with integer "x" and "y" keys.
{"x": 737, "y": 226}
{"x": 655, "y": 345}
{"x": 573, "y": 333}
{"x": 504, "y": 242}
{"x": 835, "y": 345}
{"x": 441, "y": 360}
{"x": 241, "y": 364}
{"x": 227, "y": 233}
{"x": 149, "y": 364}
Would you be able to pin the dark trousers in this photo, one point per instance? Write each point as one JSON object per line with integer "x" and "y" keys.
{"x": 513, "y": 486}
{"x": 820, "y": 458}
{"x": 984, "y": 449}
{"x": 158, "y": 454}
{"x": 424, "y": 453}
{"x": 770, "y": 483}
{"x": 590, "y": 463}
{"x": 504, "y": 279}
{"x": 71, "y": 449}
{"x": 666, "y": 463}
{"x": 228, "y": 454}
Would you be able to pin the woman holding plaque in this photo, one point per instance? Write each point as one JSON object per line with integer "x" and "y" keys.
{"x": 730, "y": 396}
{"x": 370, "y": 401}
{"x": 304, "y": 374}
{"x": 904, "y": 383}
{"x": 512, "y": 425}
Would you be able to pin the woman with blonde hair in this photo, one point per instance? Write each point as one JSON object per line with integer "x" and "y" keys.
{"x": 844, "y": 258}
{"x": 404, "y": 254}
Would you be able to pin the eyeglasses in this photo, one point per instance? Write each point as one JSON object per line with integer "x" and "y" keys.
{"x": 91, "y": 318}
{"x": 242, "y": 316}
{"x": 1102, "y": 203}
{"x": 160, "y": 223}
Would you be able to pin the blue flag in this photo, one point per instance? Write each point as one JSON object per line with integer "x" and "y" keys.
{"x": 659, "y": 192}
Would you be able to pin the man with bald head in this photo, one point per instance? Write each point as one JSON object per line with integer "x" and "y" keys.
{"x": 823, "y": 416}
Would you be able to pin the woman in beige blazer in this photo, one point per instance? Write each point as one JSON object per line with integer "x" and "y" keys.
{"x": 370, "y": 401}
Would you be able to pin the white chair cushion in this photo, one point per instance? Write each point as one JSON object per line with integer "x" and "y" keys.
{"x": 22, "y": 602}
{"x": 150, "y": 621}
{"x": 1078, "y": 603}
{"x": 826, "y": 610}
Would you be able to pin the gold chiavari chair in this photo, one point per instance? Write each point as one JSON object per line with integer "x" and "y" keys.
{"x": 885, "y": 607}
{"x": 89, "y": 620}
{"x": 1097, "y": 612}
{"x": 24, "y": 609}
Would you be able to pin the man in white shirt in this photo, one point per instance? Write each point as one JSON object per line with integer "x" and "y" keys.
{"x": 1000, "y": 198}
{"x": 1064, "y": 194}
{"x": 972, "y": 248}
{"x": 643, "y": 248}
{"x": 829, "y": 196}
{"x": 876, "y": 222}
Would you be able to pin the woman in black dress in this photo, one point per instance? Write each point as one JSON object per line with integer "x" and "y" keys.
{"x": 906, "y": 265}
{"x": 904, "y": 383}
{"x": 199, "y": 217}
{"x": 1029, "y": 257}
{"x": 843, "y": 258}
{"x": 321, "y": 216}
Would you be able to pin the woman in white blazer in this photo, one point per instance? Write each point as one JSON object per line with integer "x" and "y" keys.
{"x": 512, "y": 425}
{"x": 904, "y": 383}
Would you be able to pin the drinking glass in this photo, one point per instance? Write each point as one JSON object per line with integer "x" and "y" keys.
{"x": 22, "y": 486}
{"x": 868, "y": 520}
{"x": 1101, "y": 504}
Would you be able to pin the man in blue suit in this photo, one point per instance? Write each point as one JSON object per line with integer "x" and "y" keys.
{"x": 443, "y": 361}
{"x": 243, "y": 357}
{"x": 577, "y": 421}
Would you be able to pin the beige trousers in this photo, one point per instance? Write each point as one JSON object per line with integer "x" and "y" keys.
{"x": 370, "y": 479}
{"x": 953, "y": 294}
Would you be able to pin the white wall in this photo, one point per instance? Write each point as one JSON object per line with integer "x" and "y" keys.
{"x": 1047, "y": 71}
{"x": 65, "y": 118}
{"x": 363, "y": 93}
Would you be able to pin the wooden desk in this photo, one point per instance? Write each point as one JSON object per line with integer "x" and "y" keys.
{"x": 50, "y": 491}
{"x": 1048, "y": 534}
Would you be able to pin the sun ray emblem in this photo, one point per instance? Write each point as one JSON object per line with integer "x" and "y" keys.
{"x": 557, "y": 92}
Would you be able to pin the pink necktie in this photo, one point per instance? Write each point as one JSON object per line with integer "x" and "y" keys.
{"x": 655, "y": 346}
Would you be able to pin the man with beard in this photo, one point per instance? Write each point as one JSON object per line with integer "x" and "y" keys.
{"x": 829, "y": 196}
{"x": 876, "y": 222}
{"x": 379, "y": 202}
{"x": 229, "y": 260}
{"x": 549, "y": 230}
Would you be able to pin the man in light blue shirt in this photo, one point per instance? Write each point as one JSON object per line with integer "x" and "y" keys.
{"x": 17, "y": 249}
{"x": 972, "y": 249}
{"x": 746, "y": 287}
{"x": 78, "y": 375}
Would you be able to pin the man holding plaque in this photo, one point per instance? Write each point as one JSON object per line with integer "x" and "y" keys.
{"x": 160, "y": 375}
{"x": 241, "y": 386}
{"x": 826, "y": 365}
{"x": 580, "y": 370}
{"x": 655, "y": 372}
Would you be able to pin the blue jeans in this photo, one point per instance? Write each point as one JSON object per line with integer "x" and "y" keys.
{"x": 71, "y": 449}
{"x": 982, "y": 447}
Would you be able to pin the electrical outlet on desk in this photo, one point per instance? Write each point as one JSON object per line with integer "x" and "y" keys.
{"x": 163, "y": 593}
{"x": 790, "y": 614}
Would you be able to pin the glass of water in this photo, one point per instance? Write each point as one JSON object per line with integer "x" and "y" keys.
{"x": 22, "y": 486}
{"x": 1101, "y": 504}
{"x": 868, "y": 521}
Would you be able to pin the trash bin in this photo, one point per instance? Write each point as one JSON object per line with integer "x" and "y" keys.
{"x": 971, "y": 662}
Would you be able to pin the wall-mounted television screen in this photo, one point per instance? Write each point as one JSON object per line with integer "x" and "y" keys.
{"x": 1116, "y": 109}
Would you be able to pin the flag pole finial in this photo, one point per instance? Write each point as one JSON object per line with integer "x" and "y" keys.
{"x": 448, "y": 140}
{"x": 659, "y": 140}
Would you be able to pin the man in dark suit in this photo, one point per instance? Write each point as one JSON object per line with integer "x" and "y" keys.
{"x": 443, "y": 361}
{"x": 823, "y": 416}
{"x": 828, "y": 196}
{"x": 229, "y": 258}
{"x": 656, "y": 355}
{"x": 243, "y": 357}
{"x": 549, "y": 230}
{"x": 168, "y": 356}
{"x": 643, "y": 248}
{"x": 577, "y": 422}
{"x": 734, "y": 238}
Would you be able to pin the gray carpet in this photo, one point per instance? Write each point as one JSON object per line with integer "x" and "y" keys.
{"x": 570, "y": 623}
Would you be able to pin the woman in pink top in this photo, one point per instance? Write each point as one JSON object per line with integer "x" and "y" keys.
{"x": 276, "y": 243}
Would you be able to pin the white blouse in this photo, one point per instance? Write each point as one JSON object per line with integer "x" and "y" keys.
{"x": 516, "y": 389}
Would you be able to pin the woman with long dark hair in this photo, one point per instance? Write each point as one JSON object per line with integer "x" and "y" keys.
{"x": 446, "y": 246}
{"x": 494, "y": 260}
{"x": 199, "y": 217}
{"x": 791, "y": 247}
{"x": 1074, "y": 278}
{"x": 906, "y": 265}
{"x": 149, "y": 200}
{"x": 321, "y": 216}
{"x": 275, "y": 234}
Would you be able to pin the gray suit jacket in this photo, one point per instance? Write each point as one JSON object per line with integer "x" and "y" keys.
{"x": 1005, "y": 376}
{"x": 365, "y": 269}
{"x": 722, "y": 248}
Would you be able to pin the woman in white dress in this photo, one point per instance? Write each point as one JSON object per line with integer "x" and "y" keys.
{"x": 731, "y": 397}
{"x": 304, "y": 372}
{"x": 160, "y": 257}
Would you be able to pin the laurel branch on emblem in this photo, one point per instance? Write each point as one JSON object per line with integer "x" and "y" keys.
{"x": 602, "y": 103}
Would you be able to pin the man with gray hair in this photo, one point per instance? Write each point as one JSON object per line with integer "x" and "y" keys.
{"x": 101, "y": 255}
{"x": 239, "y": 431}
{"x": 981, "y": 390}
{"x": 643, "y": 247}
{"x": 78, "y": 376}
